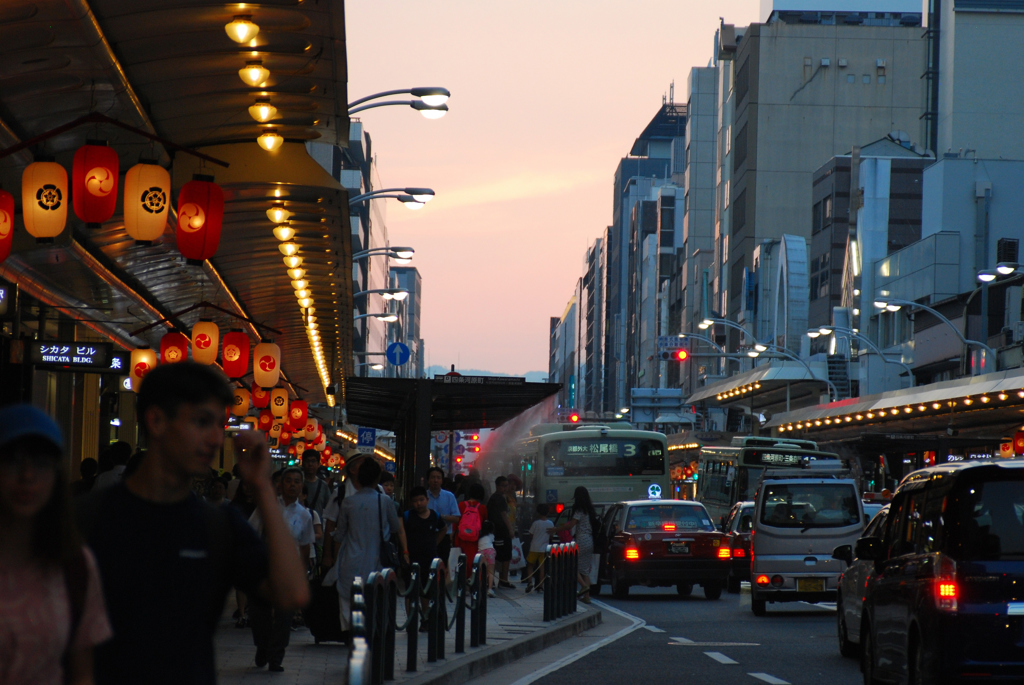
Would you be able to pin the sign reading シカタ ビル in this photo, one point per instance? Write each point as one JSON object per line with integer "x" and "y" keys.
{"x": 76, "y": 356}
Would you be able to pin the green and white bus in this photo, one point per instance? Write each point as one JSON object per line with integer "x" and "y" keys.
{"x": 612, "y": 460}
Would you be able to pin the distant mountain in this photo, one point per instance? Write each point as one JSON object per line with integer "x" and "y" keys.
{"x": 531, "y": 376}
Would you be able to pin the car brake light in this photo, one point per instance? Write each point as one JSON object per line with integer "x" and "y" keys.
{"x": 724, "y": 552}
{"x": 763, "y": 580}
{"x": 632, "y": 553}
{"x": 739, "y": 552}
{"x": 668, "y": 526}
{"x": 946, "y": 588}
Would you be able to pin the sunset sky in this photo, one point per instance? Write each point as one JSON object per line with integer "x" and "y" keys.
{"x": 547, "y": 96}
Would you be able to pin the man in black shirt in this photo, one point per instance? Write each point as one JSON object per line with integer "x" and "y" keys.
{"x": 167, "y": 559}
{"x": 424, "y": 531}
{"x": 498, "y": 514}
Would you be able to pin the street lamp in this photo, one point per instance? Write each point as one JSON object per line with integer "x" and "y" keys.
{"x": 827, "y": 330}
{"x": 402, "y": 255}
{"x": 376, "y": 366}
{"x": 413, "y": 198}
{"x": 396, "y": 294}
{"x": 386, "y": 317}
{"x": 430, "y": 103}
{"x": 893, "y": 304}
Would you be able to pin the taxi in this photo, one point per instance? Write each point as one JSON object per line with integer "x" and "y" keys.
{"x": 661, "y": 543}
{"x": 738, "y": 524}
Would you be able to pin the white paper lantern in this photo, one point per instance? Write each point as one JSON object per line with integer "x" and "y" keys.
{"x": 44, "y": 200}
{"x": 147, "y": 196}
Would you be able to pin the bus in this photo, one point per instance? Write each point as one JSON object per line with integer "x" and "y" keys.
{"x": 612, "y": 460}
{"x": 729, "y": 474}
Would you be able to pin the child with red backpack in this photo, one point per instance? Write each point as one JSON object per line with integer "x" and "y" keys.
{"x": 472, "y": 513}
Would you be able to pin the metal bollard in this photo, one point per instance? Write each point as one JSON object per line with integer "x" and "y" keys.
{"x": 430, "y": 592}
{"x": 574, "y": 573}
{"x": 412, "y": 630}
{"x": 391, "y": 590}
{"x": 460, "y": 605}
{"x": 549, "y": 570}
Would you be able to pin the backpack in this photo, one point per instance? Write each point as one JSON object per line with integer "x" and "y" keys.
{"x": 469, "y": 524}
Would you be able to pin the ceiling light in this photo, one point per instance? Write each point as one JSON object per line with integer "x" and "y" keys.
{"x": 296, "y": 274}
{"x": 242, "y": 30}
{"x": 288, "y": 249}
{"x": 262, "y": 111}
{"x": 984, "y": 399}
{"x": 270, "y": 140}
{"x": 300, "y": 284}
{"x": 1002, "y": 396}
{"x": 305, "y": 302}
{"x": 254, "y": 73}
{"x": 284, "y": 232}
{"x": 293, "y": 261}
{"x": 936, "y": 405}
{"x": 278, "y": 214}
{"x": 303, "y": 293}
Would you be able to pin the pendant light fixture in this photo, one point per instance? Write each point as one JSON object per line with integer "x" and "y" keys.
{"x": 241, "y": 29}
{"x": 254, "y": 73}
{"x": 270, "y": 140}
{"x": 278, "y": 214}
{"x": 262, "y": 111}
{"x": 284, "y": 232}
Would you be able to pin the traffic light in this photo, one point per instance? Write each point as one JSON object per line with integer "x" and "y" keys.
{"x": 472, "y": 448}
{"x": 458, "y": 460}
{"x": 574, "y": 417}
{"x": 474, "y": 437}
{"x": 675, "y": 355}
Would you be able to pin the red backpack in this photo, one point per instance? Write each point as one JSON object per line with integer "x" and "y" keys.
{"x": 469, "y": 524}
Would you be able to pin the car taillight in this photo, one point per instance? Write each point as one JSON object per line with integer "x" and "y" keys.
{"x": 632, "y": 553}
{"x": 946, "y": 589}
{"x": 739, "y": 552}
{"x": 762, "y": 580}
{"x": 724, "y": 552}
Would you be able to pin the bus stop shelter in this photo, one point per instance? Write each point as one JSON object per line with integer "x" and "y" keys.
{"x": 413, "y": 408}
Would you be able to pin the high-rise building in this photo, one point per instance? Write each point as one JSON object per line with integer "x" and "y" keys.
{"x": 408, "y": 329}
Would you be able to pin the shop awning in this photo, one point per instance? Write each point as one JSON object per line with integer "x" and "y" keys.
{"x": 766, "y": 386}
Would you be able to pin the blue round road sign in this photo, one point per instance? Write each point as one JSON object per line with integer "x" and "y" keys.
{"x": 398, "y": 353}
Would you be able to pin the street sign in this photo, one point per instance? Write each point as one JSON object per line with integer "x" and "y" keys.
{"x": 367, "y": 440}
{"x": 441, "y": 437}
{"x": 389, "y": 466}
{"x": 460, "y": 449}
{"x": 76, "y": 356}
{"x": 479, "y": 380}
{"x": 671, "y": 341}
{"x": 398, "y": 353}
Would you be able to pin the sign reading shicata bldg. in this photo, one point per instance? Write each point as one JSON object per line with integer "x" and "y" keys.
{"x": 85, "y": 356}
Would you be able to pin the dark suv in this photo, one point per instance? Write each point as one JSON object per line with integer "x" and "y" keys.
{"x": 946, "y": 600}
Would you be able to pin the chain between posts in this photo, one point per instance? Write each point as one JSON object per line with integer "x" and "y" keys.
{"x": 562, "y": 562}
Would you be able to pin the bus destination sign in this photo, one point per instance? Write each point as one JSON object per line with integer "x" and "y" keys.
{"x": 766, "y": 458}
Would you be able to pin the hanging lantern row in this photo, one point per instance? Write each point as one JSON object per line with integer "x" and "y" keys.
{"x": 93, "y": 191}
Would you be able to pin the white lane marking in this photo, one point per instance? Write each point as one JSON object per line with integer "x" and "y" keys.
{"x": 770, "y": 679}
{"x": 721, "y": 658}
{"x": 653, "y": 629}
{"x": 689, "y": 643}
{"x": 681, "y": 641}
{"x": 636, "y": 624}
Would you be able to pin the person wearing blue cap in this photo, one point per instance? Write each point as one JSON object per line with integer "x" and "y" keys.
{"x": 52, "y": 612}
{"x": 168, "y": 559}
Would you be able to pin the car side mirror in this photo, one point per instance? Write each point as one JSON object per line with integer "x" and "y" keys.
{"x": 843, "y": 553}
{"x": 869, "y": 549}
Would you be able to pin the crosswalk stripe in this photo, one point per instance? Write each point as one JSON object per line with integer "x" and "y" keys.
{"x": 721, "y": 658}
{"x": 770, "y": 679}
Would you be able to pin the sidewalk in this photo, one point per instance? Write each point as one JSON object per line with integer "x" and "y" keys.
{"x": 515, "y": 629}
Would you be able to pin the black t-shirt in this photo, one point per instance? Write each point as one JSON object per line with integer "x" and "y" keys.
{"x": 158, "y": 572}
{"x": 421, "y": 534}
{"x": 497, "y": 514}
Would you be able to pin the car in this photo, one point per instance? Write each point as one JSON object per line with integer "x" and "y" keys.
{"x": 946, "y": 601}
{"x": 852, "y": 584}
{"x": 738, "y": 524}
{"x": 800, "y": 517}
{"x": 661, "y": 543}
{"x": 871, "y": 508}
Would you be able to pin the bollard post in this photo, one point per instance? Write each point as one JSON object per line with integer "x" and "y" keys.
{"x": 549, "y": 569}
{"x": 412, "y": 631}
{"x": 429, "y": 593}
{"x": 474, "y": 607}
{"x": 391, "y": 588}
{"x": 442, "y": 613}
{"x": 460, "y": 605}
{"x": 569, "y": 588}
{"x": 575, "y": 573}
{"x": 483, "y": 608}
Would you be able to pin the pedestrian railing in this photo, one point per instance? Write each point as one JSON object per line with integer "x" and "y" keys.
{"x": 561, "y": 562}
{"x": 375, "y": 609}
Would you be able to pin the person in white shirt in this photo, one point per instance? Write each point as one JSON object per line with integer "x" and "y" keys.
{"x": 271, "y": 628}
{"x": 485, "y": 548}
{"x": 540, "y": 536}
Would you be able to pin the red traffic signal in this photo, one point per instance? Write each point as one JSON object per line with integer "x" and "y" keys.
{"x": 574, "y": 417}
{"x": 473, "y": 448}
{"x": 474, "y": 436}
{"x": 681, "y": 355}
{"x": 678, "y": 354}
{"x": 458, "y": 460}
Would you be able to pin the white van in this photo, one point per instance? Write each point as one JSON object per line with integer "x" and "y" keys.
{"x": 799, "y": 519}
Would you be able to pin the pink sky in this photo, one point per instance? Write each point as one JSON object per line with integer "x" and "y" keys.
{"x": 547, "y": 96}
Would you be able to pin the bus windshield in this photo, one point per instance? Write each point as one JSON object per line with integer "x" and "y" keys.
{"x": 810, "y": 505}
{"x": 604, "y": 457}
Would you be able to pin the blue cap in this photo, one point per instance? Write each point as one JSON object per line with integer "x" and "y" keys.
{"x": 23, "y": 420}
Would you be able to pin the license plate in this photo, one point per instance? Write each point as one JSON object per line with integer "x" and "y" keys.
{"x": 678, "y": 548}
{"x": 810, "y": 584}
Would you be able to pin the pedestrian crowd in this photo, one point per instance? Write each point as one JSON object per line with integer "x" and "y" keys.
{"x": 123, "y": 575}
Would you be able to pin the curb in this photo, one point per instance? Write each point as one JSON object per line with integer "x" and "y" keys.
{"x": 477, "y": 663}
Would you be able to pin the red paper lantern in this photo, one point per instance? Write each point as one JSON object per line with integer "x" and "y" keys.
{"x": 298, "y": 412}
{"x": 6, "y": 224}
{"x": 265, "y": 421}
{"x": 1018, "y": 442}
{"x": 200, "y": 217}
{"x": 260, "y": 397}
{"x": 94, "y": 183}
{"x": 235, "y": 353}
{"x": 323, "y": 460}
{"x": 173, "y": 348}
{"x": 327, "y": 451}
{"x": 286, "y": 435}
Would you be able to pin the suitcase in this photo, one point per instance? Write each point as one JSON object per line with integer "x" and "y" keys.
{"x": 321, "y": 615}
